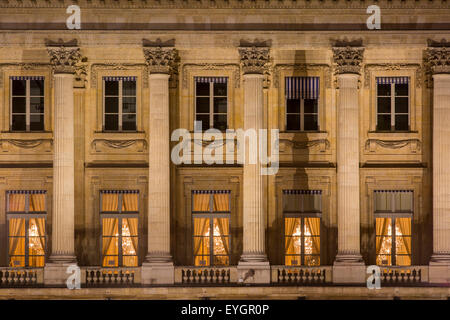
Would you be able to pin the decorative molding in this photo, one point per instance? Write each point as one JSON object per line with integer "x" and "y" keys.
{"x": 20, "y": 66}
{"x": 324, "y": 143}
{"x": 118, "y": 66}
{"x": 254, "y": 59}
{"x": 303, "y": 67}
{"x": 415, "y": 144}
{"x": 438, "y": 60}
{"x": 161, "y": 59}
{"x": 64, "y": 59}
{"x": 211, "y": 66}
{"x": 27, "y": 144}
{"x": 119, "y": 144}
{"x": 348, "y": 59}
{"x": 393, "y": 66}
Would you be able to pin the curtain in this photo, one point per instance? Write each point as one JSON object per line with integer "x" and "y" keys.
{"x": 37, "y": 202}
{"x": 313, "y": 224}
{"x": 130, "y": 202}
{"x": 223, "y": 224}
{"x": 201, "y": 226}
{"x": 221, "y": 202}
{"x": 290, "y": 225}
{"x": 404, "y": 224}
{"x": 110, "y": 202}
{"x": 17, "y": 202}
{"x": 201, "y": 202}
{"x": 381, "y": 225}
{"x": 132, "y": 225}
{"x": 16, "y": 240}
{"x": 110, "y": 229}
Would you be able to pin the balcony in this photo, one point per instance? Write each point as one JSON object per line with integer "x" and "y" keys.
{"x": 410, "y": 275}
{"x": 287, "y": 275}
{"x": 205, "y": 275}
{"x": 110, "y": 277}
{"x": 13, "y": 277}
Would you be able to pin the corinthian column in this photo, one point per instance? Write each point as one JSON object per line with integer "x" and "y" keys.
{"x": 63, "y": 60}
{"x": 348, "y": 266}
{"x": 439, "y": 62}
{"x": 253, "y": 266}
{"x": 158, "y": 266}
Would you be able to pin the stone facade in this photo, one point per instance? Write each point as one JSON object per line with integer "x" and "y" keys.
{"x": 164, "y": 45}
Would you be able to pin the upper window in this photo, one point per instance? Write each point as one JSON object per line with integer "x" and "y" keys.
{"x": 302, "y": 103}
{"x": 119, "y": 101}
{"x": 302, "y": 214}
{"x": 211, "y": 227}
{"x": 27, "y": 103}
{"x": 392, "y": 103}
{"x": 26, "y": 214}
{"x": 393, "y": 219}
{"x": 119, "y": 221}
{"x": 211, "y": 103}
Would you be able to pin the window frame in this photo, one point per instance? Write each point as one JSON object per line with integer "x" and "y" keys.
{"x": 120, "y": 113}
{"x": 119, "y": 215}
{"x": 392, "y": 112}
{"x": 26, "y": 215}
{"x": 27, "y": 105}
{"x": 211, "y": 215}
{"x": 211, "y": 104}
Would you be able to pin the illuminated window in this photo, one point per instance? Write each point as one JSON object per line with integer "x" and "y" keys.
{"x": 392, "y": 103}
{"x": 211, "y": 102}
{"x": 26, "y": 214}
{"x": 211, "y": 227}
{"x": 302, "y": 213}
{"x": 393, "y": 218}
{"x": 119, "y": 219}
{"x": 119, "y": 103}
{"x": 27, "y": 103}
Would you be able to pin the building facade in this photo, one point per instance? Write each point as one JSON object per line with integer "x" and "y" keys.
{"x": 87, "y": 171}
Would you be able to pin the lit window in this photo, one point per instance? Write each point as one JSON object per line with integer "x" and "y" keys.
{"x": 119, "y": 217}
{"x": 211, "y": 103}
{"x": 302, "y": 215}
{"x": 26, "y": 214}
{"x": 211, "y": 228}
{"x": 302, "y": 103}
{"x": 119, "y": 101}
{"x": 393, "y": 218}
{"x": 392, "y": 103}
{"x": 27, "y": 103}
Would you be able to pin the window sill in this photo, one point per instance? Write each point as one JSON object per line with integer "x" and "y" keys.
{"x": 303, "y": 135}
{"x": 129, "y": 135}
{"x": 27, "y": 135}
{"x": 390, "y": 134}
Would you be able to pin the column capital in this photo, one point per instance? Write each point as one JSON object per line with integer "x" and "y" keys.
{"x": 64, "y": 59}
{"x": 438, "y": 60}
{"x": 348, "y": 59}
{"x": 254, "y": 60}
{"x": 160, "y": 59}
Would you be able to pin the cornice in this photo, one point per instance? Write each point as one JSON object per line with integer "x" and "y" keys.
{"x": 302, "y": 67}
{"x": 211, "y": 66}
{"x": 393, "y": 66}
{"x": 118, "y": 66}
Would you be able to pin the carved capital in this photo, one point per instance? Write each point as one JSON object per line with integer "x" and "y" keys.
{"x": 64, "y": 59}
{"x": 254, "y": 59}
{"x": 348, "y": 59}
{"x": 160, "y": 59}
{"x": 438, "y": 59}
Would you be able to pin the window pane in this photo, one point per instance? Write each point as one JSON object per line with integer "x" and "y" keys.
{"x": 312, "y": 226}
{"x": 110, "y": 245}
{"x": 201, "y": 227}
{"x": 384, "y": 260}
{"x": 18, "y": 123}
{"x": 37, "y": 122}
{"x": 36, "y": 87}
{"x": 36, "y": 246}
{"x": 19, "y": 87}
{"x": 37, "y": 105}
{"x": 36, "y": 228}
{"x": 384, "y": 122}
{"x": 37, "y": 202}
{"x": 110, "y": 227}
{"x": 293, "y": 122}
{"x": 201, "y": 245}
{"x": 403, "y": 260}
{"x": 201, "y": 261}
{"x": 383, "y": 89}
{"x": 129, "y": 105}
{"x": 130, "y": 261}
{"x": 130, "y": 227}
{"x": 110, "y": 202}
{"x": 36, "y": 261}
{"x": 111, "y": 105}
{"x": 292, "y": 260}
{"x": 401, "y": 122}
{"x": 384, "y": 105}
{"x": 204, "y": 119}
{"x": 202, "y": 105}
{"x": 16, "y": 246}
{"x": 406, "y": 201}
{"x": 310, "y": 122}
{"x": 403, "y": 245}
{"x": 111, "y": 88}
{"x": 221, "y": 260}
{"x": 383, "y": 226}
{"x": 310, "y": 105}
{"x": 401, "y": 90}
{"x": 128, "y": 88}
{"x": 220, "y": 89}
{"x": 18, "y": 105}
{"x": 312, "y": 245}
{"x": 292, "y": 202}
{"x": 220, "y": 105}
{"x": 201, "y": 202}
{"x": 16, "y": 202}
{"x": 202, "y": 89}
{"x": 17, "y": 262}
{"x": 293, "y": 105}
{"x": 16, "y": 229}
{"x": 221, "y": 202}
{"x": 293, "y": 245}
{"x": 220, "y": 122}
{"x": 401, "y": 105}
{"x": 112, "y": 122}
{"x": 129, "y": 246}
{"x": 130, "y": 202}
{"x": 129, "y": 122}
{"x": 110, "y": 261}
{"x": 312, "y": 260}
{"x": 403, "y": 226}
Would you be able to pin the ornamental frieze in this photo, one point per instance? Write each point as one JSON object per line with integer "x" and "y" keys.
{"x": 189, "y": 67}
{"x": 368, "y": 68}
{"x": 325, "y": 68}
{"x": 438, "y": 60}
{"x": 64, "y": 59}
{"x": 254, "y": 59}
{"x": 161, "y": 59}
{"x": 348, "y": 59}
